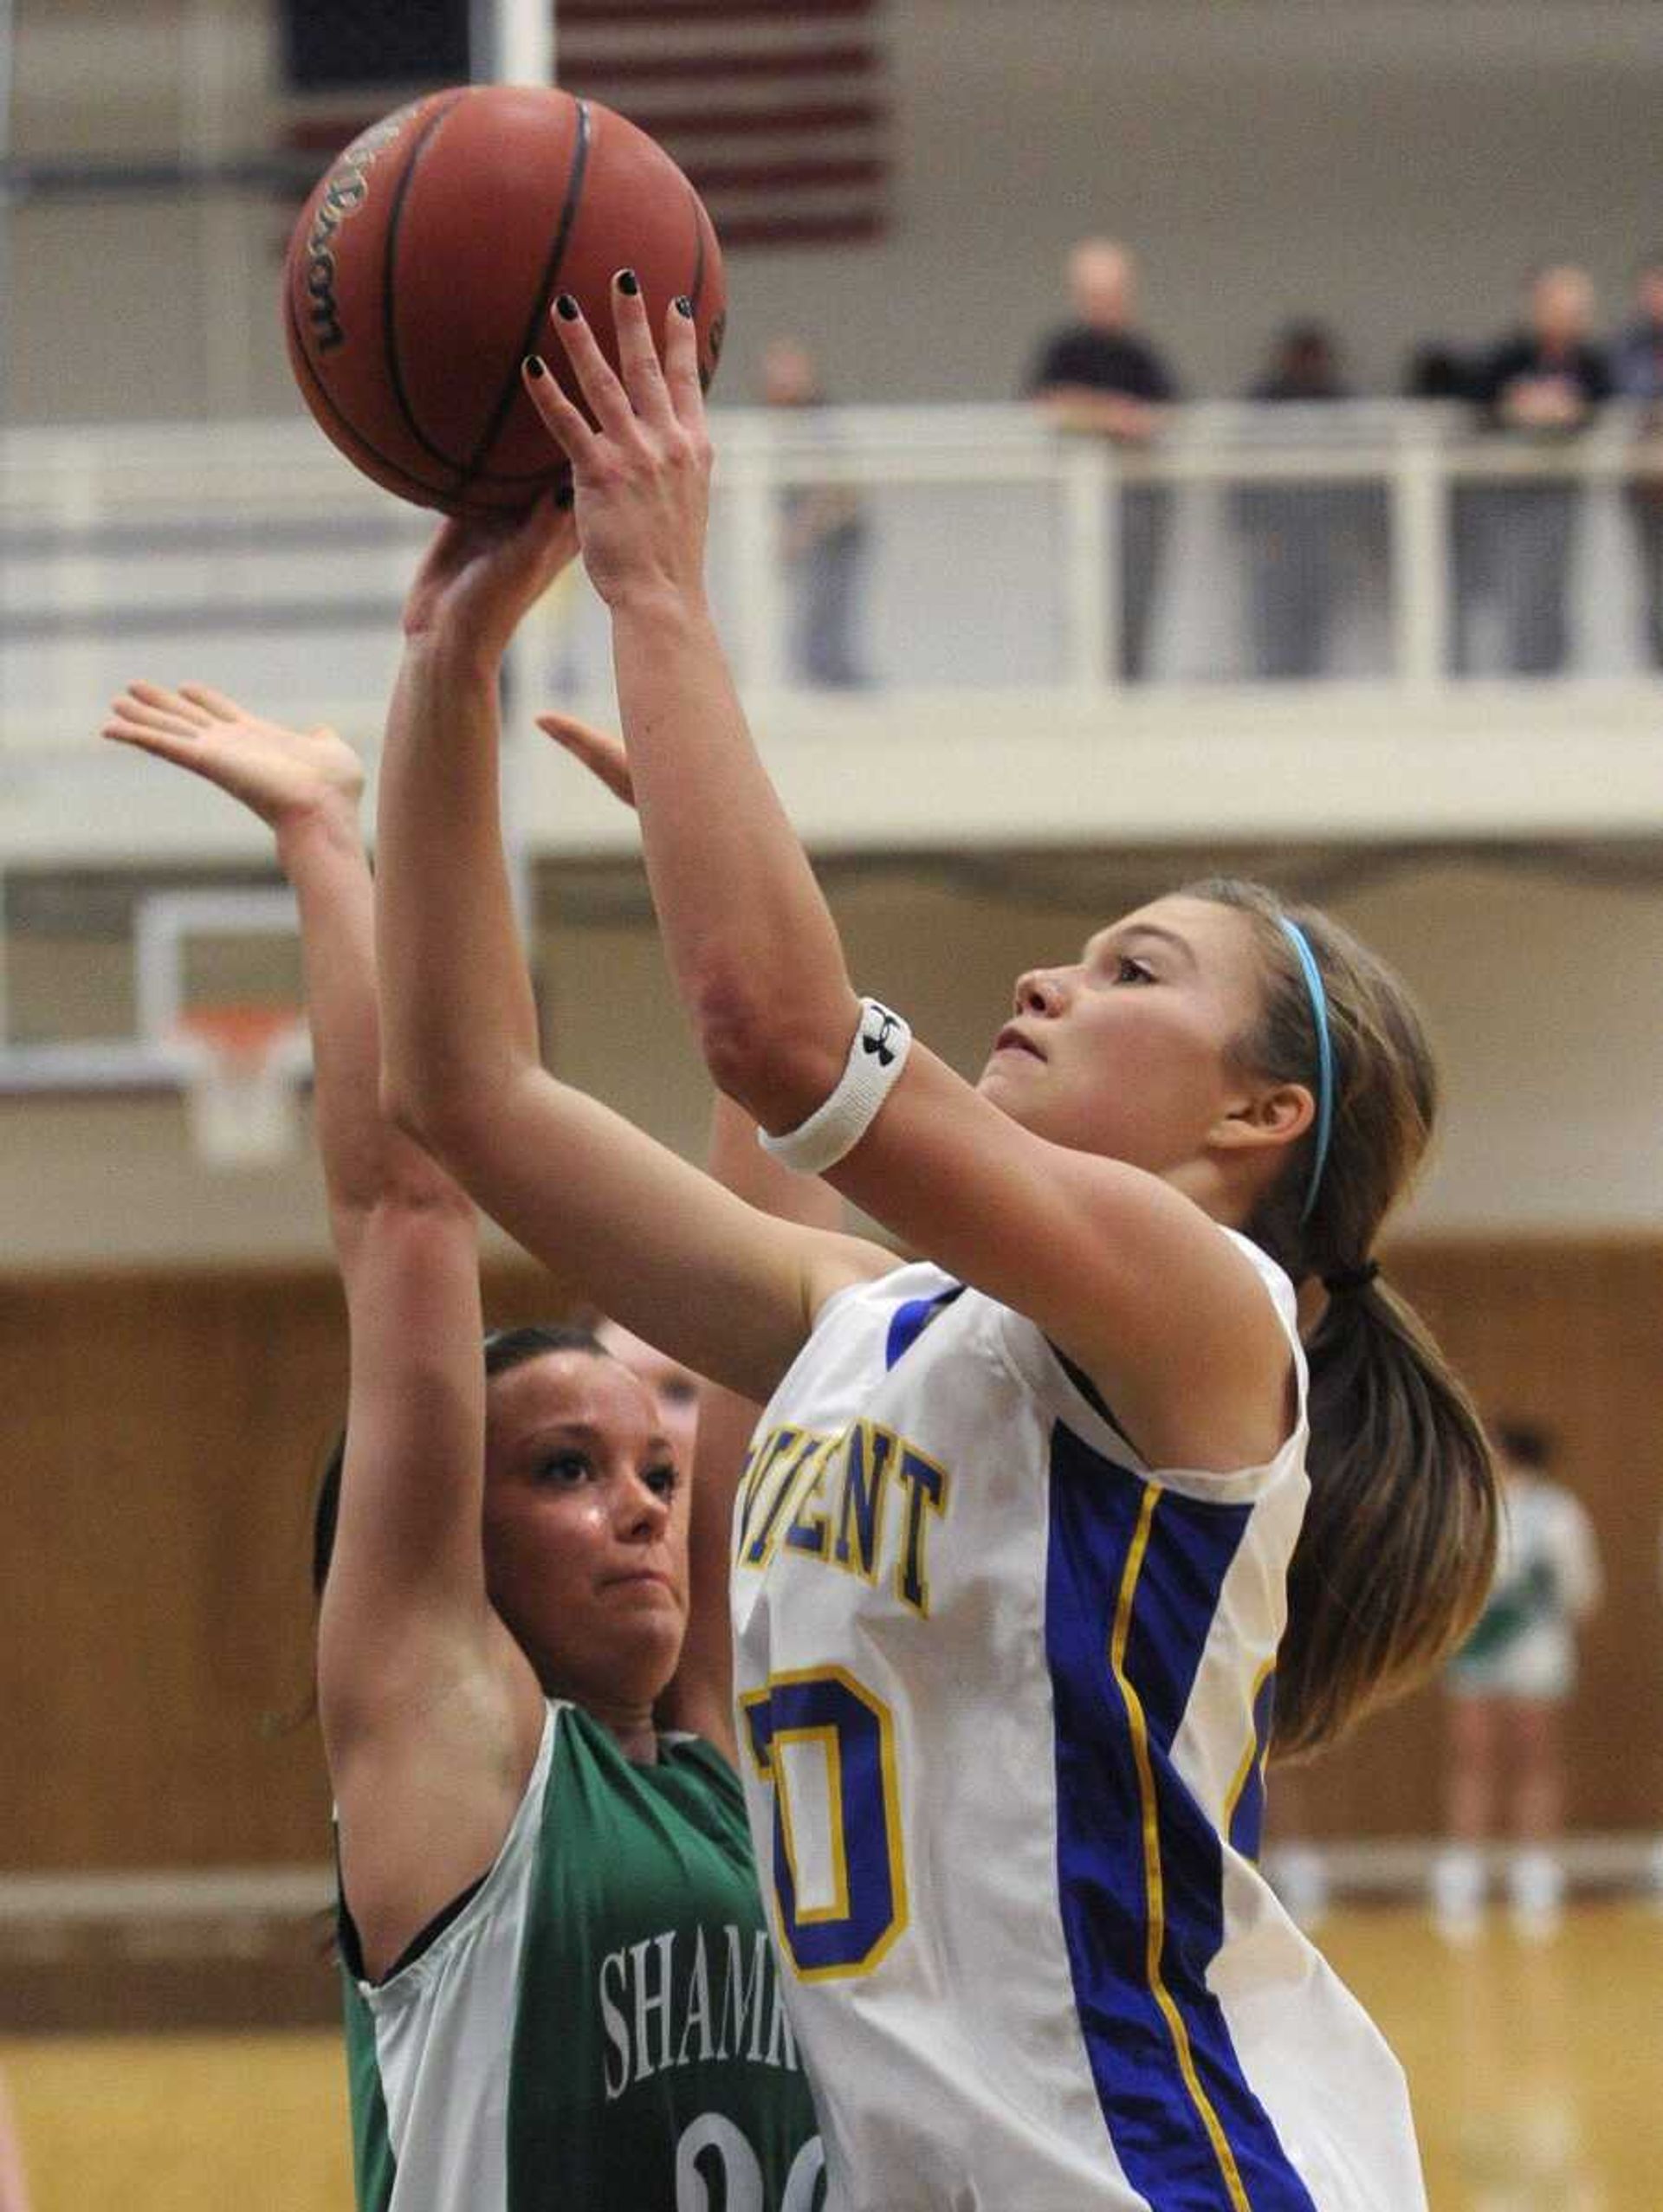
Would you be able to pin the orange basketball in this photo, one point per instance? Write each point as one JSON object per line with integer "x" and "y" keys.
{"x": 421, "y": 271}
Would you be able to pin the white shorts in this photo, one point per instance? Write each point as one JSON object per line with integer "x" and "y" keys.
{"x": 1541, "y": 1665}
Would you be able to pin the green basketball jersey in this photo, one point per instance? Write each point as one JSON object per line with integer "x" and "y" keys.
{"x": 599, "y": 2025}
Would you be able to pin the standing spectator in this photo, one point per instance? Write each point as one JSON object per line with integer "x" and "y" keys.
{"x": 1508, "y": 1686}
{"x": 1438, "y": 371}
{"x": 823, "y": 539}
{"x": 1099, "y": 374}
{"x": 1293, "y": 531}
{"x": 1542, "y": 384}
{"x": 1637, "y": 373}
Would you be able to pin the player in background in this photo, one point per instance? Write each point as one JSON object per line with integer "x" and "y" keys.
{"x": 1016, "y": 1586}
{"x": 1507, "y": 1689}
{"x": 558, "y": 1984}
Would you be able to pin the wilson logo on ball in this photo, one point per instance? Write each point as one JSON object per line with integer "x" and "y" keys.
{"x": 418, "y": 275}
{"x": 343, "y": 196}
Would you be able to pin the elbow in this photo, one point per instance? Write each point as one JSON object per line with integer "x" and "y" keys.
{"x": 435, "y": 1115}
{"x": 438, "y": 1083}
{"x": 775, "y": 1064}
{"x": 454, "y": 1108}
{"x": 732, "y": 1038}
{"x": 407, "y": 1106}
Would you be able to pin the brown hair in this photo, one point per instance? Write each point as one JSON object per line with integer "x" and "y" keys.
{"x": 1397, "y": 1549}
{"x": 504, "y": 1350}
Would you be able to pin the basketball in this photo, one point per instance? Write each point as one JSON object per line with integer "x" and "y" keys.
{"x": 421, "y": 270}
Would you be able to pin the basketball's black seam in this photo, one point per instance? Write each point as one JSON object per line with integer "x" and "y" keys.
{"x": 700, "y": 220}
{"x": 434, "y": 492}
{"x": 545, "y": 291}
{"x": 389, "y": 255}
{"x": 698, "y": 285}
{"x": 439, "y": 496}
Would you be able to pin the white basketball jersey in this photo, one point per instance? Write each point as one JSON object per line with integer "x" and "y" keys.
{"x": 1004, "y": 1693}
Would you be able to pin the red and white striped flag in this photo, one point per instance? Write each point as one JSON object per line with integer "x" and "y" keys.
{"x": 778, "y": 110}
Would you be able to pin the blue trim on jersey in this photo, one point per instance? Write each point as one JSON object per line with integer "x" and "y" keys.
{"x": 1099, "y": 1513}
{"x": 909, "y": 1321}
{"x": 1247, "y": 1821}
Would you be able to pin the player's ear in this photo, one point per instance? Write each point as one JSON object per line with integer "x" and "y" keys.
{"x": 1270, "y": 1115}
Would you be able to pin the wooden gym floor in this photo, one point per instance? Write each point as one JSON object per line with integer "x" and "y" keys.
{"x": 1537, "y": 2075}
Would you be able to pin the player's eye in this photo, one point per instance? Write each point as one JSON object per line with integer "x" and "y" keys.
{"x": 680, "y": 1390}
{"x": 565, "y": 1470}
{"x": 1127, "y": 970}
{"x": 662, "y": 1479}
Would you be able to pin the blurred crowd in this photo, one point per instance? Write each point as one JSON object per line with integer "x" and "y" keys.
{"x": 1100, "y": 373}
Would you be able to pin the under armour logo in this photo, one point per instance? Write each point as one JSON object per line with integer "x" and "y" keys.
{"x": 887, "y": 1024}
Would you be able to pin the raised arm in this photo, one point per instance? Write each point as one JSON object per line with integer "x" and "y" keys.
{"x": 429, "y": 1712}
{"x": 656, "y": 1243}
{"x": 1122, "y": 1270}
{"x": 700, "y": 1696}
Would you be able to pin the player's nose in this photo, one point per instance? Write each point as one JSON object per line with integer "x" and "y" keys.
{"x": 643, "y": 1510}
{"x": 1041, "y": 992}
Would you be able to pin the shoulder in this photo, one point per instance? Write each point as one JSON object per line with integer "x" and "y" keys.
{"x": 1166, "y": 1415}
{"x": 1169, "y": 1313}
{"x": 1276, "y": 1283}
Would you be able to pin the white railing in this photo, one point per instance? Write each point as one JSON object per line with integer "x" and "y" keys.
{"x": 985, "y": 619}
{"x": 990, "y": 556}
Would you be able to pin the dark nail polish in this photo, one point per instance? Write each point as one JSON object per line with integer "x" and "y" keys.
{"x": 533, "y": 364}
{"x": 566, "y": 307}
{"x": 627, "y": 282}
{"x": 685, "y": 306}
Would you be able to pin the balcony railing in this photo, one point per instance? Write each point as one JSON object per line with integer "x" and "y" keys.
{"x": 955, "y": 626}
{"x": 1381, "y": 544}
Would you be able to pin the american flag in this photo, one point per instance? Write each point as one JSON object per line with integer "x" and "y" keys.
{"x": 778, "y": 113}
{"x": 778, "y": 110}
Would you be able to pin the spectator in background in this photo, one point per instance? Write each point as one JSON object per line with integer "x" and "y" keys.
{"x": 823, "y": 533}
{"x": 1508, "y": 1686}
{"x": 1541, "y": 384}
{"x": 1099, "y": 374}
{"x": 1637, "y": 374}
{"x": 1440, "y": 370}
{"x": 1293, "y": 532}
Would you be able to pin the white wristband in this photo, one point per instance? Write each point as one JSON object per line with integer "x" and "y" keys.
{"x": 833, "y": 1130}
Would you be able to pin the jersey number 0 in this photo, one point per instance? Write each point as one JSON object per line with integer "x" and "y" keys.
{"x": 826, "y": 1747}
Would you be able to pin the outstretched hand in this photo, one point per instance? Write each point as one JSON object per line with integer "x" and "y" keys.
{"x": 483, "y": 572}
{"x": 641, "y": 456}
{"x": 281, "y": 774}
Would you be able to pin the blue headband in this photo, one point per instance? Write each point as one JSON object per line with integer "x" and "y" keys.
{"x": 1295, "y": 937}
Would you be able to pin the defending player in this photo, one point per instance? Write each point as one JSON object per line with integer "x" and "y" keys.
{"x": 1015, "y": 1572}
{"x": 559, "y": 1988}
